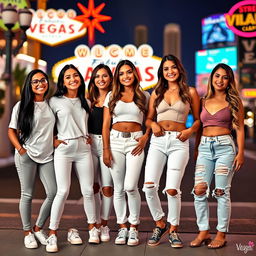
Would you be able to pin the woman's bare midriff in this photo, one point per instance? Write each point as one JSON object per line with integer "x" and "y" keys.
{"x": 211, "y": 131}
{"x": 172, "y": 126}
{"x": 127, "y": 127}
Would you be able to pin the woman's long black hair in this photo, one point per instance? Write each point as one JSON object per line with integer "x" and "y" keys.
{"x": 26, "y": 109}
{"x": 62, "y": 89}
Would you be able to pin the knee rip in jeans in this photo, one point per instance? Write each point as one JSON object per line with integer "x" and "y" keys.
{"x": 107, "y": 191}
{"x": 149, "y": 187}
{"x": 218, "y": 192}
{"x": 222, "y": 170}
{"x": 172, "y": 192}
{"x": 201, "y": 189}
{"x": 96, "y": 188}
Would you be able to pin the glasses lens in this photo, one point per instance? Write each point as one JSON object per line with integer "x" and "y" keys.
{"x": 36, "y": 81}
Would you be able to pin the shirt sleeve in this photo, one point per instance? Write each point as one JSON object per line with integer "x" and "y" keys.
{"x": 106, "y": 101}
{"x": 14, "y": 118}
{"x": 52, "y": 104}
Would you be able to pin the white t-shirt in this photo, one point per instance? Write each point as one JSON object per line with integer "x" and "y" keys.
{"x": 126, "y": 111}
{"x": 71, "y": 117}
{"x": 39, "y": 145}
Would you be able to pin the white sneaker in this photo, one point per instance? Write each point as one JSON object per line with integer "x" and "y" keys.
{"x": 52, "y": 243}
{"x": 73, "y": 236}
{"x": 121, "y": 236}
{"x": 41, "y": 236}
{"x": 94, "y": 236}
{"x": 133, "y": 238}
{"x": 104, "y": 234}
{"x": 30, "y": 241}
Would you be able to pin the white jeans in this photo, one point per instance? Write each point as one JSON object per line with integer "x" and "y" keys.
{"x": 125, "y": 171}
{"x": 176, "y": 153}
{"x": 78, "y": 153}
{"x": 103, "y": 177}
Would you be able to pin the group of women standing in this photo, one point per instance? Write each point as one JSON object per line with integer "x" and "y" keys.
{"x": 103, "y": 137}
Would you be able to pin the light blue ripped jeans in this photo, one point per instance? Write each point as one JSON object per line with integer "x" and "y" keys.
{"x": 216, "y": 156}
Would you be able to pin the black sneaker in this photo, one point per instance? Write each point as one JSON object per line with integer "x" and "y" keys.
{"x": 175, "y": 240}
{"x": 158, "y": 233}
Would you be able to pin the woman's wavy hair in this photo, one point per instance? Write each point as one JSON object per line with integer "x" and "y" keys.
{"x": 93, "y": 90}
{"x": 232, "y": 95}
{"x": 62, "y": 89}
{"x": 117, "y": 88}
{"x": 27, "y": 106}
{"x": 162, "y": 84}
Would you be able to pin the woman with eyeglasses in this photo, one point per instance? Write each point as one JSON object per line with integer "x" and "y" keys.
{"x": 71, "y": 110}
{"x": 31, "y": 133}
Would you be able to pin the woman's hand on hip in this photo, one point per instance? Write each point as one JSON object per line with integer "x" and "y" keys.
{"x": 157, "y": 129}
{"x": 57, "y": 142}
{"x": 142, "y": 141}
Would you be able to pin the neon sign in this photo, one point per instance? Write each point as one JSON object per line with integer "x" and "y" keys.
{"x": 91, "y": 19}
{"x": 241, "y": 18}
{"x": 86, "y": 59}
{"x": 54, "y": 27}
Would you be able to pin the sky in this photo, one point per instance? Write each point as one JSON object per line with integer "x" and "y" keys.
{"x": 155, "y": 14}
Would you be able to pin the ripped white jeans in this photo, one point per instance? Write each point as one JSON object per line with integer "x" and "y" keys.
{"x": 164, "y": 149}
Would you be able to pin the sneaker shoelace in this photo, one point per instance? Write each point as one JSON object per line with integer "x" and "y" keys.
{"x": 104, "y": 230}
{"x": 156, "y": 233}
{"x": 51, "y": 240}
{"x": 74, "y": 234}
{"x": 31, "y": 238}
{"x": 174, "y": 235}
{"x": 121, "y": 233}
{"x": 132, "y": 234}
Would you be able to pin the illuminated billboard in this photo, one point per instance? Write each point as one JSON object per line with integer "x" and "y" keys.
{"x": 206, "y": 60}
{"x": 215, "y": 32}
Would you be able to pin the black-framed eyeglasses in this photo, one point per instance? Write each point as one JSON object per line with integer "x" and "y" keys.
{"x": 36, "y": 82}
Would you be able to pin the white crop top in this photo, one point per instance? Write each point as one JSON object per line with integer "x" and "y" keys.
{"x": 39, "y": 145}
{"x": 126, "y": 111}
{"x": 71, "y": 118}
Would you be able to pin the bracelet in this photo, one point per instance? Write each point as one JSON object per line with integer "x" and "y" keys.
{"x": 106, "y": 148}
{"x": 20, "y": 149}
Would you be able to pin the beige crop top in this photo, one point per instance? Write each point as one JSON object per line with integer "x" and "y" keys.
{"x": 176, "y": 112}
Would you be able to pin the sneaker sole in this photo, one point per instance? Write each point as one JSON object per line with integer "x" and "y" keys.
{"x": 120, "y": 243}
{"x": 132, "y": 244}
{"x": 105, "y": 239}
{"x": 93, "y": 242}
{"x": 31, "y": 247}
{"x": 159, "y": 239}
{"x": 52, "y": 250}
{"x": 76, "y": 243}
{"x": 176, "y": 246}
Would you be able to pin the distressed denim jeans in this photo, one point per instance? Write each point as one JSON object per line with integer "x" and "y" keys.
{"x": 216, "y": 156}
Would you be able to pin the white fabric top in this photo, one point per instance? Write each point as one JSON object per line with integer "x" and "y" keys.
{"x": 39, "y": 145}
{"x": 71, "y": 118}
{"x": 127, "y": 111}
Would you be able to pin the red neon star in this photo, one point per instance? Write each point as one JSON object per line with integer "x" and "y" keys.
{"x": 91, "y": 19}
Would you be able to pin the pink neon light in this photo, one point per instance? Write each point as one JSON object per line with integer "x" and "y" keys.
{"x": 231, "y": 12}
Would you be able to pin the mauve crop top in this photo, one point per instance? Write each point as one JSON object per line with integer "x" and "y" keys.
{"x": 176, "y": 112}
{"x": 222, "y": 118}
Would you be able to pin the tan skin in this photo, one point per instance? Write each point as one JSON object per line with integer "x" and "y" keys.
{"x": 126, "y": 77}
{"x": 39, "y": 91}
{"x": 217, "y": 102}
{"x": 102, "y": 81}
{"x": 72, "y": 81}
{"x": 171, "y": 96}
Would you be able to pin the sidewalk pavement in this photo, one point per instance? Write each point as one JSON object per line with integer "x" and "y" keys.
{"x": 241, "y": 238}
